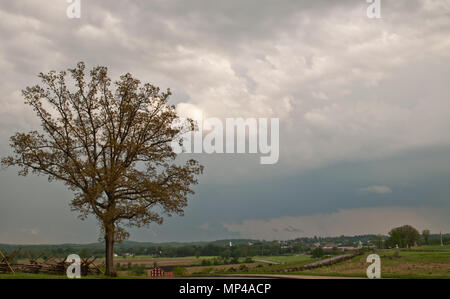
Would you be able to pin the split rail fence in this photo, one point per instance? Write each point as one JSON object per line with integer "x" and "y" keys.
{"x": 49, "y": 265}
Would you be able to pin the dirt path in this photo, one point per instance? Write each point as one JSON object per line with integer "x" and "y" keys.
{"x": 268, "y": 262}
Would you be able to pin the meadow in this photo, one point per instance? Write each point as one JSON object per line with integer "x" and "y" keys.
{"x": 419, "y": 262}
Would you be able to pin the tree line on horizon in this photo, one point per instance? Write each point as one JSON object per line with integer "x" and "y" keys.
{"x": 405, "y": 236}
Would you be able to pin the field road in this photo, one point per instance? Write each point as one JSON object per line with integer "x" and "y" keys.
{"x": 268, "y": 262}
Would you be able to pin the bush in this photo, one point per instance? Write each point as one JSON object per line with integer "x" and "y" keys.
{"x": 206, "y": 263}
{"x": 243, "y": 268}
{"x": 248, "y": 260}
{"x": 317, "y": 252}
{"x": 179, "y": 271}
{"x": 119, "y": 267}
{"x": 138, "y": 270}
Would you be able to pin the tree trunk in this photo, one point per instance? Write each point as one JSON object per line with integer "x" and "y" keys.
{"x": 109, "y": 238}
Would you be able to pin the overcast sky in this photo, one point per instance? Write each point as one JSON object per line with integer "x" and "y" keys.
{"x": 363, "y": 105}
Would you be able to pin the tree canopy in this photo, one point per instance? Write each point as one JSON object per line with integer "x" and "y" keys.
{"x": 403, "y": 236}
{"x": 110, "y": 143}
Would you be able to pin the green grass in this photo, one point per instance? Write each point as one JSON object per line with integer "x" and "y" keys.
{"x": 421, "y": 262}
{"x": 433, "y": 248}
{"x": 286, "y": 261}
{"x": 156, "y": 257}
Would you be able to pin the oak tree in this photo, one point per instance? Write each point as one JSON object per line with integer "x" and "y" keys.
{"x": 111, "y": 144}
{"x": 403, "y": 236}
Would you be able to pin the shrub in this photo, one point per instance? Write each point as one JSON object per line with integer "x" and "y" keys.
{"x": 206, "y": 262}
{"x": 248, "y": 260}
{"x": 243, "y": 268}
{"x": 317, "y": 252}
{"x": 179, "y": 271}
{"x": 138, "y": 269}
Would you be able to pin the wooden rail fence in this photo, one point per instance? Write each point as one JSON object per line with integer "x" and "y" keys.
{"x": 322, "y": 263}
{"x": 49, "y": 265}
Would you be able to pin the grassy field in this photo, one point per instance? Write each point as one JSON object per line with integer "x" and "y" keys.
{"x": 421, "y": 262}
{"x": 262, "y": 264}
{"x": 163, "y": 262}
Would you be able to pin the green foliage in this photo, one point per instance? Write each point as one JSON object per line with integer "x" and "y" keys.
{"x": 138, "y": 270}
{"x": 426, "y": 236}
{"x": 249, "y": 260}
{"x": 179, "y": 271}
{"x": 118, "y": 267}
{"x": 206, "y": 262}
{"x": 268, "y": 249}
{"x": 403, "y": 236}
{"x": 317, "y": 252}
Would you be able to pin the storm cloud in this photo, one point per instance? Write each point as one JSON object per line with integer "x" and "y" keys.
{"x": 351, "y": 93}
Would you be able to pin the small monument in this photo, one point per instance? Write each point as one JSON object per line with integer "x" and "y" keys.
{"x": 360, "y": 244}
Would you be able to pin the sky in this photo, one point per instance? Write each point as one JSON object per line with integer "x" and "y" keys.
{"x": 363, "y": 105}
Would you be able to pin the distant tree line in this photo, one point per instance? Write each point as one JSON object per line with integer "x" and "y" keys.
{"x": 404, "y": 236}
{"x": 407, "y": 236}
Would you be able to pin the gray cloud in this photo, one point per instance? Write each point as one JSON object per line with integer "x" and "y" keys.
{"x": 373, "y": 220}
{"x": 324, "y": 68}
{"x": 376, "y": 189}
{"x": 346, "y": 88}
